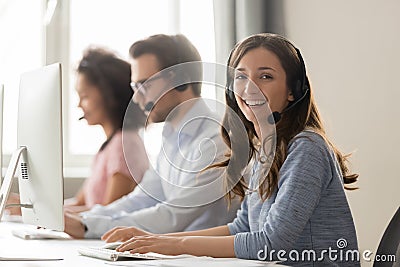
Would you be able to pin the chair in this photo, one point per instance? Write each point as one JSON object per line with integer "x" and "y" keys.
{"x": 390, "y": 242}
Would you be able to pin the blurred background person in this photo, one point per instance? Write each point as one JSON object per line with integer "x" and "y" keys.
{"x": 103, "y": 86}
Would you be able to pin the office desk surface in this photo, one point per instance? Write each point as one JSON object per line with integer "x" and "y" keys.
{"x": 11, "y": 246}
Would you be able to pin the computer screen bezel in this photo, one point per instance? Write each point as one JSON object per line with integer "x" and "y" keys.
{"x": 40, "y": 176}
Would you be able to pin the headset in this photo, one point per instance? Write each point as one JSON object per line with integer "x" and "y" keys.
{"x": 181, "y": 88}
{"x": 300, "y": 91}
{"x": 177, "y": 77}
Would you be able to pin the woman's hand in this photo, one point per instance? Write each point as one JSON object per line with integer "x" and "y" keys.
{"x": 73, "y": 225}
{"x": 13, "y": 198}
{"x": 167, "y": 245}
{"x": 123, "y": 234}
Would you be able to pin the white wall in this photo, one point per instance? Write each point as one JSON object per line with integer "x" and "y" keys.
{"x": 352, "y": 53}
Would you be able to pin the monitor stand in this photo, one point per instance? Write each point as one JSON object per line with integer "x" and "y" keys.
{"x": 7, "y": 182}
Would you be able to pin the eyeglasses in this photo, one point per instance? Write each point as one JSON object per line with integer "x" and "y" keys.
{"x": 144, "y": 85}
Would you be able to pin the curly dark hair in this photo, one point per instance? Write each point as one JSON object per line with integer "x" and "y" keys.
{"x": 112, "y": 76}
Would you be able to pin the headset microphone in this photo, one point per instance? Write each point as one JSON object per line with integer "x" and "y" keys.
{"x": 300, "y": 91}
{"x": 149, "y": 106}
{"x": 275, "y": 116}
{"x": 81, "y": 118}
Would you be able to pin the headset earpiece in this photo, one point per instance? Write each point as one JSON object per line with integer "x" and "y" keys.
{"x": 298, "y": 91}
{"x": 229, "y": 91}
{"x": 302, "y": 85}
{"x": 183, "y": 79}
{"x": 182, "y": 87}
{"x": 180, "y": 79}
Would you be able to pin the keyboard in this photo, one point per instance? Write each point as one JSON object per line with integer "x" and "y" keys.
{"x": 110, "y": 254}
{"x": 33, "y": 233}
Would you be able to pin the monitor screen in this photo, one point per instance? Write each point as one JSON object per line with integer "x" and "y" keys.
{"x": 40, "y": 175}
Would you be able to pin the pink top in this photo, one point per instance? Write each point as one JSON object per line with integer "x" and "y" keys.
{"x": 111, "y": 160}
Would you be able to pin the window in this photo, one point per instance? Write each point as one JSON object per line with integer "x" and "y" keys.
{"x": 21, "y": 49}
{"x": 117, "y": 26}
{"x": 76, "y": 24}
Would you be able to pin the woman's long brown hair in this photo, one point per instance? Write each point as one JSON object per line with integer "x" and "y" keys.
{"x": 304, "y": 115}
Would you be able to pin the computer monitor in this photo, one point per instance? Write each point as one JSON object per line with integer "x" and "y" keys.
{"x": 39, "y": 153}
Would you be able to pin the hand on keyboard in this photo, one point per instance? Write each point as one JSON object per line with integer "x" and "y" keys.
{"x": 112, "y": 245}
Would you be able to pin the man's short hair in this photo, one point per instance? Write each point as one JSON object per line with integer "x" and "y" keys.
{"x": 171, "y": 50}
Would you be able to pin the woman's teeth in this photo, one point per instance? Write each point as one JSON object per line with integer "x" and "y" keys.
{"x": 255, "y": 102}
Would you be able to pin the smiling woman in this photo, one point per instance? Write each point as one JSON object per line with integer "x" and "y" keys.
{"x": 252, "y": 76}
{"x": 299, "y": 203}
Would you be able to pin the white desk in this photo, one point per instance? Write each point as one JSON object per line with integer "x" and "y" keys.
{"x": 11, "y": 246}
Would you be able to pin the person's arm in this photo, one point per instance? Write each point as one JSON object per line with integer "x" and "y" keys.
{"x": 240, "y": 224}
{"x": 214, "y": 242}
{"x": 13, "y": 198}
{"x": 191, "y": 191}
{"x": 222, "y": 230}
{"x": 126, "y": 233}
{"x": 75, "y": 209}
{"x": 179, "y": 210}
{"x": 299, "y": 192}
{"x": 80, "y": 197}
{"x": 77, "y": 203}
{"x": 100, "y": 219}
{"x": 77, "y": 200}
{"x": 73, "y": 225}
{"x": 190, "y": 194}
{"x": 144, "y": 223}
{"x": 160, "y": 218}
{"x": 121, "y": 178}
{"x": 136, "y": 200}
{"x": 303, "y": 175}
{"x": 213, "y": 246}
{"x": 117, "y": 186}
{"x": 93, "y": 224}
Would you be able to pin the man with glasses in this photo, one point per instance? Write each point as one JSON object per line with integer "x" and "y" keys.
{"x": 178, "y": 193}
